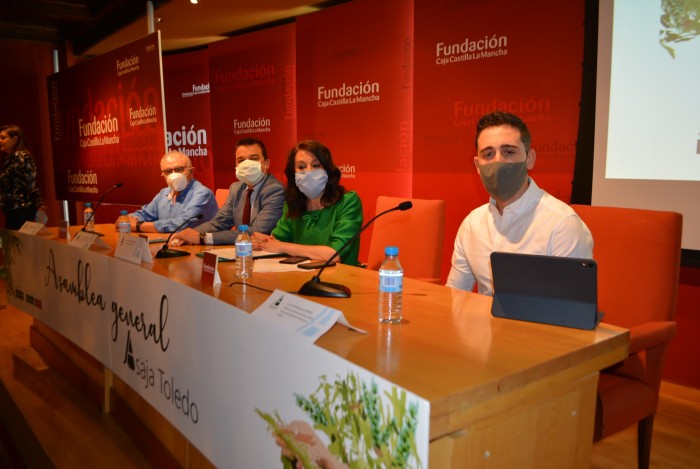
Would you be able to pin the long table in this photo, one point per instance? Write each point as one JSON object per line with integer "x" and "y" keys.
{"x": 502, "y": 393}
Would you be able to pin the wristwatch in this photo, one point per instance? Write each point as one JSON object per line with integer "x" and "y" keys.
{"x": 138, "y": 226}
{"x": 202, "y": 238}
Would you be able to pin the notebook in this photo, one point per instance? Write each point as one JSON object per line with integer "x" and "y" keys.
{"x": 552, "y": 290}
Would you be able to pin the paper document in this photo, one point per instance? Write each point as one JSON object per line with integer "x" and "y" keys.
{"x": 273, "y": 265}
{"x": 133, "y": 249}
{"x": 33, "y": 228}
{"x": 304, "y": 318}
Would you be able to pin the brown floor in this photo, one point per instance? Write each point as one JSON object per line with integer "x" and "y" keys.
{"x": 65, "y": 431}
{"x": 676, "y": 439}
{"x": 71, "y": 434}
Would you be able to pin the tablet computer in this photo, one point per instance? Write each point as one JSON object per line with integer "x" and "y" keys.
{"x": 552, "y": 290}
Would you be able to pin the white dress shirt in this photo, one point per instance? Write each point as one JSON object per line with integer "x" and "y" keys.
{"x": 536, "y": 223}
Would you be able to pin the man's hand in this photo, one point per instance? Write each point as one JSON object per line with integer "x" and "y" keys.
{"x": 186, "y": 236}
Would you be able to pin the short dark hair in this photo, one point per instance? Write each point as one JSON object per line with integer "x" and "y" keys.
{"x": 296, "y": 200}
{"x": 498, "y": 118}
{"x": 249, "y": 141}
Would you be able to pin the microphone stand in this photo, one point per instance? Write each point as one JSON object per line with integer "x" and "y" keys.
{"x": 315, "y": 287}
{"x": 165, "y": 252}
{"x": 92, "y": 215}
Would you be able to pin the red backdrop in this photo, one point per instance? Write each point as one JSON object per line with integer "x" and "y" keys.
{"x": 186, "y": 78}
{"x": 476, "y": 57}
{"x": 253, "y": 95}
{"x": 106, "y": 115}
{"x": 355, "y": 91}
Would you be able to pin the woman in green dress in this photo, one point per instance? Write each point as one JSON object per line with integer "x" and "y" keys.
{"x": 319, "y": 215}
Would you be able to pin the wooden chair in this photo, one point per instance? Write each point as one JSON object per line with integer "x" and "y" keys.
{"x": 221, "y": 195}
{"x": 417, "y": 232}
{"x": 638, "y": 256}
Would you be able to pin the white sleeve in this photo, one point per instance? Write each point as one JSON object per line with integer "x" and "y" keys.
{"x": 572, "y": 238}
{"x": 461, "y": 275}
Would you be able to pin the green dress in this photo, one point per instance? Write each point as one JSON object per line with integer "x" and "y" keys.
{"x": 330, "y": 226}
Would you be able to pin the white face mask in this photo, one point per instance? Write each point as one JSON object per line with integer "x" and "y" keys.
{"x": 249, "y": 172}
{"x": 177, "y": 181}
{"x": 311, "y": 183}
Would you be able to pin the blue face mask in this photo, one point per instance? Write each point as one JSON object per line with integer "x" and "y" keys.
{"x": 311, "y": 183}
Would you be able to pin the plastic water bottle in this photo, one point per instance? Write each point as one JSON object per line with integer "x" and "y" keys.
{"x": 123, "y": 223}
{"x": 41, "y": 217}
{"x": 244, "y": 253}
{"x": 390, "y": 287}
{"x": 88, "y": 214}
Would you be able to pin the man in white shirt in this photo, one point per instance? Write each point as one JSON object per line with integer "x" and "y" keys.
{"x": 520, "y": 217}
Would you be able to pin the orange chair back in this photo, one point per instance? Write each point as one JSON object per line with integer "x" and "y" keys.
{"x": 638, "y": 255}
{"x": 417, "y": 232}
{"x": 221, "y": 195}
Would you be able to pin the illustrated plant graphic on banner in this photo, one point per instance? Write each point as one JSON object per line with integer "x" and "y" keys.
{"x": 363, "y": 427}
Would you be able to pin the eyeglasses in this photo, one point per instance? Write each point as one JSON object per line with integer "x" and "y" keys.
{"x": 179, "y": 169}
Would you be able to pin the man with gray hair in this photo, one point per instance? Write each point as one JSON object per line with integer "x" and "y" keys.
{"x": 183, "y": 198}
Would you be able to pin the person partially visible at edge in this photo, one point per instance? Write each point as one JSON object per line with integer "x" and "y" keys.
{"x": 19, "y": 195}
{"x": 519, "y": 217}
{"x": 183, "y": 198}
{"x": 266, "y": 200}
{"x": 319, "y": 215}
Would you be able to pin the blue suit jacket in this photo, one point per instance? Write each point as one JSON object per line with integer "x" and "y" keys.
{"x": 266, "y": 208}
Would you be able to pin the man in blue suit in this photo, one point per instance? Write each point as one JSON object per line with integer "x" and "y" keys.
{"x": 256, "y": 200}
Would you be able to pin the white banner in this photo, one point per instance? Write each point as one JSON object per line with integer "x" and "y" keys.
{"x": 64, "y": 287}
{"x": 225, "y": 379}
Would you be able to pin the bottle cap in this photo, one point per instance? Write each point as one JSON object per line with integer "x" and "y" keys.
{"x": 243, "y": 228}
{"x": 88, "y": 204}
{"x": 391, "y": 251}
{"x": 124, "y": 212}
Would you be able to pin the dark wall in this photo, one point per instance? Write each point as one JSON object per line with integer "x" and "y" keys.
{"x": 24, "y": 102}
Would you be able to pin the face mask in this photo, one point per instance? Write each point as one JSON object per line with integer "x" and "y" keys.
{"x": 311, "y": 183}
{"x": 502, "y": 180}
{"x": 177, "y": 181}
{"x": 249, "y": 172}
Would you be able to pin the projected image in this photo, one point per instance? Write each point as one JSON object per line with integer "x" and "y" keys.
{"x": 653, "y": 129}
{"x": 680, "y": 20}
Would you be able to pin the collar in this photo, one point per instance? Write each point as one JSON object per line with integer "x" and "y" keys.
{"x": 172, "y": 194}
{"x": 530, "y": 196}
{"x": 257, "y": 185}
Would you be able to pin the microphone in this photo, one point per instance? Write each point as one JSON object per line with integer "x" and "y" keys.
{"x": 315, "y": 287}
{"x": 92, "y": 215}
{"x": 165, "y": 252}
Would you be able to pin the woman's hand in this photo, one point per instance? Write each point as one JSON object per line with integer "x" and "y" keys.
{"x": 261, "y": 242}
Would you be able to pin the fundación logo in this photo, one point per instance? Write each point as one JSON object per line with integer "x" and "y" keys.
{"x": 344, "y": 94}
{"x": 488, "y": 47}
{"x": 197, "y": 89}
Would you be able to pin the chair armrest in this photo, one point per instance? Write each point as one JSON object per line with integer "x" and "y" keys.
{"x": 650, "y": 334}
